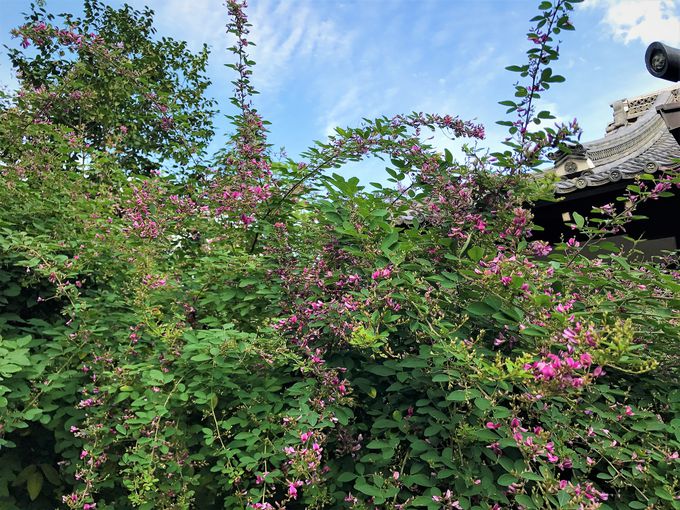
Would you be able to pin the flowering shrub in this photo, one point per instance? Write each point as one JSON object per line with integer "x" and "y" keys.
{"x": 260, "y": 334}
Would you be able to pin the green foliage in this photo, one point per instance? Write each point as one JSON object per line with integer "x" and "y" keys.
{"x": 271, "y": 336}
{"x": 110, "y": 85}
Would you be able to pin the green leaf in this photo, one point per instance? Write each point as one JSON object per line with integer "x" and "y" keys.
{"x": 534, "y": 330}
{"x": 457, "y": 396}
{"x": 507, "y": 479}
{"x": 563, "y": 498}
{"x": 578, "y": 219}
{"x": 12, "y": 291}
{"x": 380, "y": 370}
{"x": 23, "y": 475}
{"x": 482, "y": 403}
{"x": 34, "y": 484}
{"x": 525, "y": 501}
{"x": 347, "y": 476}
{"x": 33, "y": 414}
{"x": 389, "y": 241}
{"x": 479, "y": 309}
{"x": 370, "y": 490}
{"x": 51, "y": 474}
{"x": 556, "y": 78}
{"x": 476, "y": 253}
{"x": 663, "y": 493}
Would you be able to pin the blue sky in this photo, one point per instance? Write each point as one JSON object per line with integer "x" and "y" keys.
{"x": 322, "y": 63}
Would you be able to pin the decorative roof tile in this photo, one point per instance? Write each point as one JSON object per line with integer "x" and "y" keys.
{"x": 638, "y": 141}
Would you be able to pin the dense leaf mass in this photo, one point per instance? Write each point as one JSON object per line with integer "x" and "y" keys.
{"x": 245, "y": 332}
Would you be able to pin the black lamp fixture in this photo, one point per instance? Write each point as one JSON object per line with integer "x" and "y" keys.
{"x": 663, "y": 62}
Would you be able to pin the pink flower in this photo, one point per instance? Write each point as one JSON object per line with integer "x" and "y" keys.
{"x": 572, "y": 363}
{"x": 492, "y": 426}
{"x": 540, "y": 248}
{"x": 292, "y": 488}
{"x": 496, "y": 448}
{"x": 382, "y": 273}
{"x": 546, "y": 370}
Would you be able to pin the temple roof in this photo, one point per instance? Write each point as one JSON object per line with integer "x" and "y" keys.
{"x": 637, "y": 141}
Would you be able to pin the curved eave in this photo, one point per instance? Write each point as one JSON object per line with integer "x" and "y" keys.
{"x": 659, "y": 155}
{"x": 645, "y": 146}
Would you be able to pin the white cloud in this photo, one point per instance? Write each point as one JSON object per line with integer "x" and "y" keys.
{"x": 281, "y": 30}
{"x": 284, "y": 30}
{"x": 554, "y": 109}
{"x": 197, "y": 22}
{"x": 646, "y": 20}
{"x": 342, "y": 112}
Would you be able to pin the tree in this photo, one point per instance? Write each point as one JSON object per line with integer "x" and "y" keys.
{"x": 114, "y": 87}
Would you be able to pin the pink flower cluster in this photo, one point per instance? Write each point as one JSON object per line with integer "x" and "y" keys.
{"x": 560, "y": 367}
{"x": 585, "y": 495}
{"x": 383, "y": 273}
{"x": 154, "y": 281}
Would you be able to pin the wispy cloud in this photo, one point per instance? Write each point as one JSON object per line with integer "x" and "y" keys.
{"x": 644, "y": 20}
{"x": 197, "y": 22}
{"x": 283, "y": 32}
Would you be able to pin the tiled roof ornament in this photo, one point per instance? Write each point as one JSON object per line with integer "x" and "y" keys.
{"x": 620, "y": 118}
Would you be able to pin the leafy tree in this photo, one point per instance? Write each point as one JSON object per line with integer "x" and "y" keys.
{"x": 112, "y": 84}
